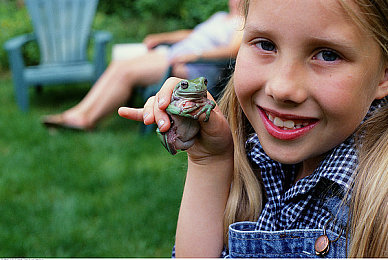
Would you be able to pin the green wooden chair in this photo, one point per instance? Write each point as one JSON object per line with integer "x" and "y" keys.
{"x": 62, "y": 29}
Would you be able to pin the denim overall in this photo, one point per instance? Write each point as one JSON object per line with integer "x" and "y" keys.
{"x": 245, "y": 241}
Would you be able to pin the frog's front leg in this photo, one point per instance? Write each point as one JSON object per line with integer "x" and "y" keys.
{"x": 207, "y": 107}
{"x": 182, "y": 110}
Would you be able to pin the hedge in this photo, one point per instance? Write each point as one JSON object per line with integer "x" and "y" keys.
{"x": 127, "y": 20}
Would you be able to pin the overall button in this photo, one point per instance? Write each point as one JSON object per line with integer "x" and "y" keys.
{"x": 322, "y": 245}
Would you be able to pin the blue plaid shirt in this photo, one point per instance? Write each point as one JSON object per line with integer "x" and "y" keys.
{"x": 308, "y": 203}
{"x": 301, "y": 206}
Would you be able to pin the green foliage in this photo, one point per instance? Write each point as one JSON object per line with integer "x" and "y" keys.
{"x": 187, "y": 13}
{"x": 196, "y": 11}
{"x": 13, "y": 22}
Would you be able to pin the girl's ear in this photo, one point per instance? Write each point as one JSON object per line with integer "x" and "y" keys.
{"x": 382, "y": 88}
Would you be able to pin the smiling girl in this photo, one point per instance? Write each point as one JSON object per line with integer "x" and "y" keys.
{"x": 271, "y": 168}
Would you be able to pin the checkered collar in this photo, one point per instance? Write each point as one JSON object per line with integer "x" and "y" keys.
{"x": 337, "y": 166}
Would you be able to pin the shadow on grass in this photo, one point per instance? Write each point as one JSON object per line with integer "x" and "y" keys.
{"x": 53, "y": 97}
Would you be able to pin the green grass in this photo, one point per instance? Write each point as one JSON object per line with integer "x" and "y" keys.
{"x": 108, "y": 193}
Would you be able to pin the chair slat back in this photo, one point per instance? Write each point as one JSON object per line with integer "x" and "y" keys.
{"x": 62, "y": 28}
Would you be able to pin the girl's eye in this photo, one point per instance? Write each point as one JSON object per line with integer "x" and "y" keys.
{"x": 327, "y": 55}
{"x": 265, "y": 45}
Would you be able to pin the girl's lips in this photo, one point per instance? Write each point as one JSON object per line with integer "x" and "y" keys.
{"x": 286, "y": 127}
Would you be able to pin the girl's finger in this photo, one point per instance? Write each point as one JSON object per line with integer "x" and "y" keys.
{"x": 154, "y": 108}
{"x": 131, "y": 113}
{"x": 161, "y": 118}
{"x": 148, "y": 111}
{"x": 164, "y": 95}
{"x": 162, "y": 99}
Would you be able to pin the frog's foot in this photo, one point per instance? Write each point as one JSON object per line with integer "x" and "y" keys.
{"x": 207, "y": 108}
{"x": 187, "y": 110}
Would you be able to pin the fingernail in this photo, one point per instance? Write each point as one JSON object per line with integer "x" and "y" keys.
{"x": 145, "y": 115}
{"x": 161, "y": 101}
{"x": 160, "y": 123}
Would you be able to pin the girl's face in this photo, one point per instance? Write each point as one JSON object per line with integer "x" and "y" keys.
{"x": 305, "y": 77}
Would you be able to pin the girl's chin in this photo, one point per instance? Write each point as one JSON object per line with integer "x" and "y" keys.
{"x": 281, "y": 151}
{"x": 284, "y": 157}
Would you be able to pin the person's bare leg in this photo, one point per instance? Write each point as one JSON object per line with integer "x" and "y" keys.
{"x": 114, "y": 88}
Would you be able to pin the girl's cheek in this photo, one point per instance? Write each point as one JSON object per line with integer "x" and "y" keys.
{"x": 242, "y": 87}
{"x": 247, "y": 80}
{"x": 345, "y": 94}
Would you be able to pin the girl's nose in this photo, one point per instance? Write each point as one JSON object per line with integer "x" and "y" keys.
{"x": 287, "y": 84}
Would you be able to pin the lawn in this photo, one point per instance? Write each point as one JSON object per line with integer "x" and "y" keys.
{"x": 107, "y": 193}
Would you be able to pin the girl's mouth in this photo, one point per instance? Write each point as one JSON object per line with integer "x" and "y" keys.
{"x": 286, "y": 127}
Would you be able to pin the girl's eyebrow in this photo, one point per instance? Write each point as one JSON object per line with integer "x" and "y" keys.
{"x": 255, "y": 29}
{"x": 250, "y": 32}
{"x": 338, "y": 43}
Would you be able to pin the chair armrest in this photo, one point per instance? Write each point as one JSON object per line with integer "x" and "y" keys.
{"x": 15, "y": 55}
{"x": 18, "y": 41}
{"x": 101, "y": 38}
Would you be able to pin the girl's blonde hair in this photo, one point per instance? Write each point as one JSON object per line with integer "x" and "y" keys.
{"x": 245, "y": 198}
{"x": 369, "y": 198}
{"x": 368, "y": 208}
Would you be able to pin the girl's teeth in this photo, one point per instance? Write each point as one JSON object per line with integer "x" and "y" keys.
{"x": 278, "y": 122}
{"x": 289, "y": 124}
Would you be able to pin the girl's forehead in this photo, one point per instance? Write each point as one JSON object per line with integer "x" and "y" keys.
{"x": 337, "y": 7}
{"x": 317, "y": 6}
{"x": 300, "y": 15}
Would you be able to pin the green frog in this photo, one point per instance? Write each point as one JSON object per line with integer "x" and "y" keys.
{"x": 188, "y": 102}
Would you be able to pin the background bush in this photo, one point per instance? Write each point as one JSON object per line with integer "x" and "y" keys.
{"x": 13, "y": 21}
{"x": 127, "y": 20}
{"x": 187, "y": 13}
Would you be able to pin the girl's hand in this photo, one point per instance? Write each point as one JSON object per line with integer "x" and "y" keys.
{"x": 214, "y": 141}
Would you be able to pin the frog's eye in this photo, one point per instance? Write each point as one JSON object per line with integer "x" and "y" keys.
{"x": 205, "y": 82}
{"x": 184, "y": 84}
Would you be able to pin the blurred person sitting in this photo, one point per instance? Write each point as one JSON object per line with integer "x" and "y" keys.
{"x": 216, "y": 38}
